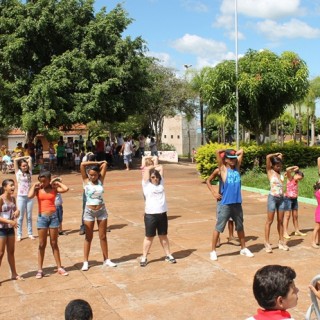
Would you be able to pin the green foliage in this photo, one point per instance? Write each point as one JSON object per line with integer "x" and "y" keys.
{"x": 255, "y": 156}
{"x": 167, "y": 147}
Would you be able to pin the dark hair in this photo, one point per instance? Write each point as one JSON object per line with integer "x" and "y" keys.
{"x": 156, "y": 173}
{"x": 78, "y": 309}
{"x": 45, "y": 174}
{"x": 275, "y": 160}
{"x": 271, "y": 282}
{"x": 300, "y": 173}
{"x": 23, "y": 161}
{"x": 91, "y": 157}
{"x": 5, "y": 182}
{"x": 316, "y": 186}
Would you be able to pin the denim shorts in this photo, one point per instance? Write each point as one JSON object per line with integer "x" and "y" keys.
{"x": 156, "y": 223}
{"x": 91, "y": 215}
{"x": 60, "y": 213}
{"x": 127, "y": 158}
{"x": 290, "y": 204}
{"x": 45, "y": 221}
{"x": 6, "y": 232}
{"x": 228, "y": 211}
{"x": 275, "y": 203}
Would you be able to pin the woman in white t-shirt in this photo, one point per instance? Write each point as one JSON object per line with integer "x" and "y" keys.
{"x": 22, "y": 167}
{"x": 155, "y": 217}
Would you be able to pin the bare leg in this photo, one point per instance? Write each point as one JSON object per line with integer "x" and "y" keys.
{"x": 242, "y": 239}
{"x": 267, "y": 227}
{"x": 54, "y": 245}
{"x": 102, "y": 226}
{"x": 286, "y": 220}
{"x": 165, "y": 244}
{"x": 280, "y": 216}
{"x": 147, "y": 242}
{"x": 215, "y": 238}
{"x": 88, "y": 239}
{"x": 11, "y": 260}
{"x": 42, "y": 233}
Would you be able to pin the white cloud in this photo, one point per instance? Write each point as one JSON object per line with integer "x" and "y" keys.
{"x": 194, "y": 5}
{"x": 163, "y": 57}
{"x": 291, "y": 30}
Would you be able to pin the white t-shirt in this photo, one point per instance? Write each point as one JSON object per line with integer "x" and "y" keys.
{"x": 155, "y": 197}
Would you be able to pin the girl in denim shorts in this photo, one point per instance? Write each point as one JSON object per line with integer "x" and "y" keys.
{"x": 8, "y": 222}
{"x": 46, "y": 190}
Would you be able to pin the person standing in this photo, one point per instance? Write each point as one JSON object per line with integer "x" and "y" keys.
{"x": 22, "y": 168}
{"x": 46, "y": 191}
{"x": 142, "y": 143}
{"x": 155, "y": 217}
{"x": 8, "y": 222}
{"x": 153, "y": 147}
{"x": 229, "y": 162}
{"x": 127, "y": 152}
{"x": 275, "y": 200}
{"x": 93, "y": 175}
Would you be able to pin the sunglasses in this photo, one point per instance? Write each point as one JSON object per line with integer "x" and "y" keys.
{"x": 153, "y": 177}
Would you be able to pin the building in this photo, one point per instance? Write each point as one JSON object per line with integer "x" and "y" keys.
{"x": 182, "y": 134}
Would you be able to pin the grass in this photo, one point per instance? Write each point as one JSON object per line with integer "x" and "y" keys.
{"x": 258, "y": 179}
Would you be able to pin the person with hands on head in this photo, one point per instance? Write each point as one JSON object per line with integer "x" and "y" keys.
{"x": 231, "y": 202}
{"x": 93, "y": 175}
{"x": 46, "y": 191}
{"x": 23, "y": 171}
{"x": 276, "y": 201}
{"x": 155, "y": 216}
{"x": 8, "y": 222}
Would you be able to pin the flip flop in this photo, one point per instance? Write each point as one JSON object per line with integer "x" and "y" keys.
{"x": 19, "y": 278}
{"x": 39, "y": 275}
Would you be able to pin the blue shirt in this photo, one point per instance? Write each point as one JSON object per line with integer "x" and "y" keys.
{"x": 232, "y": 188}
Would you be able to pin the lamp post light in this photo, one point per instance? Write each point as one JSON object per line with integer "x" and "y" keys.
{"x": 236, "y": 71}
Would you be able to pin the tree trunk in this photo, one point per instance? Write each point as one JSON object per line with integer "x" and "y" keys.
{"x": 312, "y": 142}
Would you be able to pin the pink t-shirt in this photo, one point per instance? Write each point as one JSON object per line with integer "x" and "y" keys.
{"x": 317, "y": 212}
{"x": 292, "y": 189}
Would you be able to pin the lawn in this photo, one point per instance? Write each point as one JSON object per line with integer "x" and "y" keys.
{"x": 258, "y": 179}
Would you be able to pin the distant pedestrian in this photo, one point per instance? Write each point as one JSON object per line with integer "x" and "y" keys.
{"x": 316, "y": 230}
{"x": 153, "y": 147}
{"x": 127, "y": 150}
{"x": 142, "y": 142}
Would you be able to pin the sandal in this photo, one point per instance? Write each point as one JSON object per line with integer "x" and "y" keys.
{"x": 39, "y": 274}
{"x": 17, "y": 277}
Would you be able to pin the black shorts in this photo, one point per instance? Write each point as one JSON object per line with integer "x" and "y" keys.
{"x": 156, "y": 223}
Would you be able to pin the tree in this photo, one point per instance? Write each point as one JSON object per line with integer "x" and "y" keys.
{"x": 62, "y": 64}
{"x": 266, "y": 84}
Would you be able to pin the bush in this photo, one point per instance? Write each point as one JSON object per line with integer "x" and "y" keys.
{"x": 255, "y": 156}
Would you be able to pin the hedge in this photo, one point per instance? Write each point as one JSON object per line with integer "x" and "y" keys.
{"x": 255, "y": 156}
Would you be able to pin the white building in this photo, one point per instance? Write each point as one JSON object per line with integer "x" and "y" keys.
{"x": 180, "y": 133}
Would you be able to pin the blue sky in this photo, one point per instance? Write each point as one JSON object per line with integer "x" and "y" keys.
{"x": 201, "y": 32}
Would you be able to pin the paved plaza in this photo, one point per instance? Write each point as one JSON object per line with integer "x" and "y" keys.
{"x": 193, "y": 288}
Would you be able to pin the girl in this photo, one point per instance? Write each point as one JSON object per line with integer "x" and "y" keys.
{"x": 46, "y": 190}
{"x": 52, "y": 157}
{"x": 275, "y": 200}
{"x": 8, "y": 222}
{"x": 155, "y": 217}
{"x": 22, "y": 168}
{"x": 93, "y": 174}
{"x": 316, "y": 230}
{"x": 291, "y": 201}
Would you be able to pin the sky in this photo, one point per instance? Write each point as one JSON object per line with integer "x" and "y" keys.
{"x": 202, "y": 32}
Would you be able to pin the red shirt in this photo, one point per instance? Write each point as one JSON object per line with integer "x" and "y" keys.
{"x": 271, "y": 315}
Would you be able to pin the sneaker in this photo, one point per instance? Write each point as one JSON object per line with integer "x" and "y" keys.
{"x": 143, "y": 262}
{"x": 286, "y": 236}
{"x": 246, "y": 252}
{"x": 268, "y": 247}
{"x": 283, "y": 246}
{"x": 62, "y": 272}
{"x": 85, "y": 266}
{"x": 213, "y": 255}
{"x": 18, "y": 238}
{"x": 32, "y": 237}
{"x": 109, "y": 263}
{"x": 170, "y": 259}
{"x": 299, "y": 233}
{"x": 315, "y": 246}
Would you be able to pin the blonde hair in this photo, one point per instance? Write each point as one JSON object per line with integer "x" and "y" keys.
{"x": 149, "y": 162}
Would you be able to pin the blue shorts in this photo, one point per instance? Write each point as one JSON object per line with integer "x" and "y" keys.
{"x": 91, "y": 215}
{"x": 228, "y": 211}
{"x": 46, "y": 221}
{"x": 127, "y": 158}
{"x": 60, "y": 213}
{"x": 275, "y": 203}
{"x": 6, "y": 232}
{"x": 290, "y": 204}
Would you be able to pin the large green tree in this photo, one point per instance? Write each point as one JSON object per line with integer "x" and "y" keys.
{"x": 60, "y": 63}
{"x": 266, "y": 83}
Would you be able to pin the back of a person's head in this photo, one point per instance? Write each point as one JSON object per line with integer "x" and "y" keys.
{"x": 78, "y": 309}
{"x": 271, "y": 282}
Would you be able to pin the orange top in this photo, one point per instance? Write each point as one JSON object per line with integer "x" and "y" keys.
{"x": 46, "y": 201}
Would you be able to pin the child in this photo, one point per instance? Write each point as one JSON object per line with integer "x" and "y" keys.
{"x": 275, "y": 291}
{"x": 291, "y": 201}
{"x": 275, "y": 200}
{"x": 193, "y": 154}
{"x": 316, "y": 230}
{"x": 8, "y": 222}
{"x": 58, "y": 203}
{"x": 77, "y": 161}
{"x": 46, "y": 190}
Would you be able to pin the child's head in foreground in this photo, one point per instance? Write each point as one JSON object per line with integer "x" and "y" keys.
{"x": 274, "y": 288}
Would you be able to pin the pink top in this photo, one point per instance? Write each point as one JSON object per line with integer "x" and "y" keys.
{"x": 292, "y": 189}
{"x": 317, "y": 212}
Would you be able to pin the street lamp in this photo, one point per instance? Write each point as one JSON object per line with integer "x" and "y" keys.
{"x": 187, "y": 66}
{"x": 237, "y": 91}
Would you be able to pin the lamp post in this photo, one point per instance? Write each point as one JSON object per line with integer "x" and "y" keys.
{"x": 187, "y": 66}
{"x": 237, "y": 91}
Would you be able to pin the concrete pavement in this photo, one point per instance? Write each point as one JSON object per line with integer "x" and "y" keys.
{"x": 193, "y": 288}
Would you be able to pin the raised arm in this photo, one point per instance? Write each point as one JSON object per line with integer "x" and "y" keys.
{"x": 239, "y": 154}
{"x": 33, "y": 191}
{"x": 61, "y": 187}
{"x": 220, "y": 157}
{"x": 15, "y": 162}
{"x": 268, "y": 160}
{"x": 289, "y": 170}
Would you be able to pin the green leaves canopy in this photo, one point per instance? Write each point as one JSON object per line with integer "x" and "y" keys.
{"x": 61, "y": 64}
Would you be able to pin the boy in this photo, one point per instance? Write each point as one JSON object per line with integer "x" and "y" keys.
{"x": 229, "y": 162}
{"x": 275, "y": 292}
